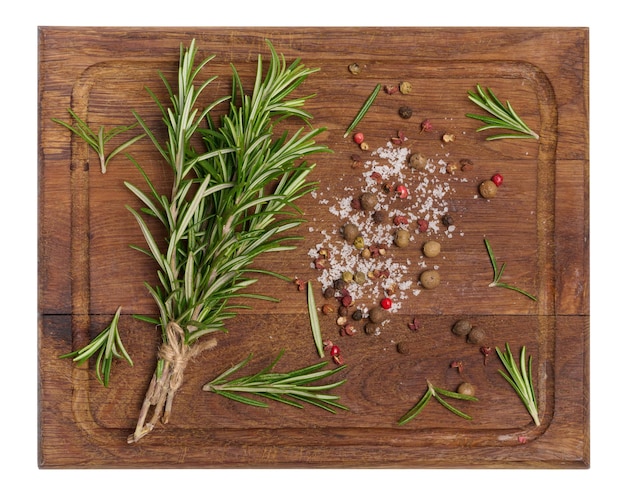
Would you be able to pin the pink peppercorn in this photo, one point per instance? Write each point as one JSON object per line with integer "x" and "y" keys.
{"x": 422, "y": 225}
{"x": 402, "y": 191}
{"x": 359, "y": 138}
{"x": 497, "y": 179}
{"x": 386, "y": 303}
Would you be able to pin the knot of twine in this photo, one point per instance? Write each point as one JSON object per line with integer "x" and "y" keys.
{"x": 178, "y": 353}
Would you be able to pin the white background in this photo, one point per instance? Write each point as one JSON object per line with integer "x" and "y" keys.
{"x": 18, "y": 242}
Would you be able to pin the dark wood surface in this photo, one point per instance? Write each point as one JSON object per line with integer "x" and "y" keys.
{"x": 538, "y": 225}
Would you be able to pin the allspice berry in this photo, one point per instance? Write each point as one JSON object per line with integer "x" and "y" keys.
{"x": 466, "y": 389}
{"x": 377, "y": 315}
{"x": 462, "y": 327}
{"x": 405, "y": 112}
{"x": 368, "y": 201}
{"x": 418, "y": 160}
{"x": 476, "y": 335}
{"x": 402, "y": 238}
{"x": 430, "y": 279}
{"x": 488, "y": 189}
{"x": 350, "y": 232}
{"x": 431, "y": 249}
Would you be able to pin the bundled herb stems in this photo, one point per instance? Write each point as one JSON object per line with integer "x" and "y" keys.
{"x": 229, "y": 204}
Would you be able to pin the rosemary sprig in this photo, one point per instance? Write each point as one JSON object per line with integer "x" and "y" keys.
{"x": 366, "y": 105}
{"x": 438, "y": 394}
{"x": 520, "y": 379}
{"x": 292, "y": 388}
{"x": 98, "y": 140}
{"x": 108, "y": 345}
{"x": 314, "y": 320}
{"x": 502, "y": 116}
{"x": 230, "y": 202}
{"x": 497, "y": 275}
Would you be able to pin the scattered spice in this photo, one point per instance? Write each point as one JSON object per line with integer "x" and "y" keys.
{"x": 430, "y": 279}
{"x": 354, "y": 68}
{"x": 497, "y": 179}
{"x": 462, "y": 327}
{"x": 405, "y": 112}
{"x": 466, "y": 388}
{"x": 488, "y": 189}
{"x": 476, "y": 335}
{"x": 448, "y": 137}
{"x": 418, "y": 160}
{"x": 405, "y": 87}
{"x": 426, "y": 126}
{"x": 431, "y": 249}
{"x": 414, "y": 325}
{"x": 486, "y": 351}
{"x": 391, "y": 89}
{"x": 358, "y": 137}
{"x": 402, "y": 238}
{"x": 386, "y": 303}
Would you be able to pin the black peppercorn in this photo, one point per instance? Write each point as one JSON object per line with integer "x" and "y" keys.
{"x": 447, "y": 220}
{"x": 357, "y": 315}
{"x": 405, "y": 112}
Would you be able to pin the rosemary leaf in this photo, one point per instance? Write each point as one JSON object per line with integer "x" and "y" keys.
{"x": 502, "y": 116}
{"x": 520, "y": 379}
{"x": 497, "y": 275}
{"x": 368, "y": 103}
{"x": 288, "y": 388}
{"x": 314, "y": 320}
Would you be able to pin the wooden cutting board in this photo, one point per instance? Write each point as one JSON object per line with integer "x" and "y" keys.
{"x": 538, "y": 225}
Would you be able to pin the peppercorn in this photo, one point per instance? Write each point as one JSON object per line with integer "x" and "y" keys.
{"x": 366, "y": 253}
{"x": 350, "y": 232}
{"x": 447, "y": 220}
{"x": 358, "y": 138}
{"x": 327, "y": 309}
{"x": 368, "y": 201}
{"x": 377, "y": 315}
{"x": 357, "y": 314}
{"x": 430, "y": 279}
{"x": 347, "y": 276}
{"x": 448, "y": 137}
{"x": 360, "y": 277}
{"x": 386, "y": 303}
{"x": 359, "y": 243}
{"x": 329, "y": 292}
{"x": 488, "y": 189}
{"x": 364, "y": 146}
{"x": 462, "y": 327}
{"x": 343, "y": 311}
{"x": 405, "y": 87}
{"x": 422, "y": 225}
{"x": 370, "y": 328}
{"x": 497, "y": 179}
{"x": 431, "y": 249}
{"x": 379, "y": 216}
{"x": 405, "y": 112}
{"x": 476, "y": 335}
{"x": 466, "y": 388}
{"x": 403, "y": 348}
{"x": 402, "y": 238}
{"x": 339, "y": 284}
{"x": 402, "y": 191}
{"x": 418, "y": 160}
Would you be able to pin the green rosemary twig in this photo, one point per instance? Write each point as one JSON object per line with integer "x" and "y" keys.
{"x": 368, "y": 103}
{"x": 502, "y": 116}
{"x": 438, "y": 394}
{"x": 520, "y": 379}
{"x": 97, "y": 141}
{"x": 108, "y": 345}
{"x": 291, "y": 388}
{"x": 497, "y": 275}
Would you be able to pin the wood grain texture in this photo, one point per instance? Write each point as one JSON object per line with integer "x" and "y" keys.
{"x": 538, "y": 225}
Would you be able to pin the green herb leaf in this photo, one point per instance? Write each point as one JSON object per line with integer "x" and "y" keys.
{"x": 368, "y": 103}
{"x": 437, "y": 394}
{"x": 289, "y": 388}
{"x": 314, "y": 319}
{"x": 520, "y": 379}
{"x": 502, "y": 116}
{"x": 497, "y": 275}
{"x": 108, "y": 345}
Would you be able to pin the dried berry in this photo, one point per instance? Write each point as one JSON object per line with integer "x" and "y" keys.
{"x": 354, "y": 68}
{"x": 360, "y": 277}
{"x": 402, "y": 191}
{"x": 405, "y": 112}
{"x": 369, "y": 201}
{"x": 497, "y": 179}
{"x": 358, "y": 138}
{"x": 430, "y": 279}
{"x": 488, "y": 189}
{"x": 466, "y": 389}
{"x": 350, "y": 232}
{"x": 418, "y": 160}
{"x": 476, "y": 335}
{"x": 426, "y": 126}
{"x": 386, "y": 303}
{"x": 357, "y": 315}
{"x": 402, "y": 238}
{"x": 462, "y": 327}
{"x": 405, "y": 87}
{"x": 422, "y": 225}
{"x": 403, "y": 348}
{"x": 447, "y": 220}
{"x": 359, "y": 242}
{"x": 448, "y": 137}
{"x": 379, "y": 216}
{"x": 370, "y": 328}
{"x": 329, "y": 293}
{"x": 364, "y": 146}
{"x": 452, "y": 167}
{"x": 466, "y": 164}
{"x": 339, "y": 284}
{"x": 377, "y": 315}
{"x": 431, "y": 249}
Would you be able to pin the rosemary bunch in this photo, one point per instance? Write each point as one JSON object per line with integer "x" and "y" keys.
{"x": 291, "y": 388}
{"x": 229, "y": 203}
